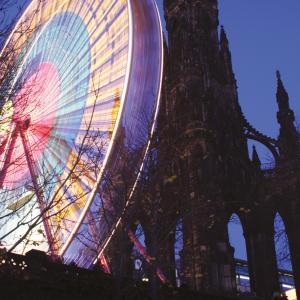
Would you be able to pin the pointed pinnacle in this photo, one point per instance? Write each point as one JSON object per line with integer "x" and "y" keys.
{"x": 255, "y": 157}
{"x": 281, "y": 94}
{"x": 223, "y": 36}
{"x": 278, "y": 75}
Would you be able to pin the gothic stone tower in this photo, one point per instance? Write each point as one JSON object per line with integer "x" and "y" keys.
{"x": 202, "y": 110}
{"x": 205, "y": 132}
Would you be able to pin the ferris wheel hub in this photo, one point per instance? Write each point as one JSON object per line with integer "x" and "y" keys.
{"x": 24, "y": 124}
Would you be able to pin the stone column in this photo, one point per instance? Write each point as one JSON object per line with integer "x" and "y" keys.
{"x": 208, "y": 256}
{"x": 293, "y": 233}
{"x": 259, "y": 236}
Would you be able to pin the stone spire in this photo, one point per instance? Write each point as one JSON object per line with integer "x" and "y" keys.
{"x": 255, "y": 158}
{"x": 224, "y": 42}
{"x": 283, "y": 98}
{"x": 226, "y": 57}
{"x": 198, "y": 96}
{"x": 288, "y": 136}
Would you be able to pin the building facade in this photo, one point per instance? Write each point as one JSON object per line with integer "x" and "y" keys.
{"x": 212, "y": 164}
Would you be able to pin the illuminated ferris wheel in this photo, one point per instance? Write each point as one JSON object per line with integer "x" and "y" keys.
{"x": 86, "y": 75}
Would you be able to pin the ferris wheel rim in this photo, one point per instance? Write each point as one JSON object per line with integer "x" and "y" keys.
{"x": 112, "y": 141}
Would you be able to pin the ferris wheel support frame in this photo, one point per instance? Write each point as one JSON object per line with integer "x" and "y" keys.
{"x": 23, "y": 126}
{"x": 8, "y": 151}
{"x": 20, "y": 128}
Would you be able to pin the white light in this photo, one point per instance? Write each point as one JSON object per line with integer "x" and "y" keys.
{"x": 287, "y": 286}
{"x": 291, "y": 294}
{"x": 244, "y": 277}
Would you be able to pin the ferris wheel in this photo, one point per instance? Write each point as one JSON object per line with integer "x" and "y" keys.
{"x": 87, "y": 74}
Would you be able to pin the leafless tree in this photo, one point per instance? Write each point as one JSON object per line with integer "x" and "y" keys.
{"x": 282, "y": 244}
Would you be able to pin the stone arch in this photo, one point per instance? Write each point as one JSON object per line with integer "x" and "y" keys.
{"x": 236, "y": 236}
{"x": 139, "y": 264}
{"x": 265, "y": 155}
{"x": 283, "y": 255}
{"x": 269, "y": 146}
{"x": 253, "y": 134}
{"x": 178, "y": 247}
{"x": 238, "y": 243}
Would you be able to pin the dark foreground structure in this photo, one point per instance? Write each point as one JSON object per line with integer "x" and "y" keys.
{"x": 36, "y": 276}
{"x": 204, "y": 173}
